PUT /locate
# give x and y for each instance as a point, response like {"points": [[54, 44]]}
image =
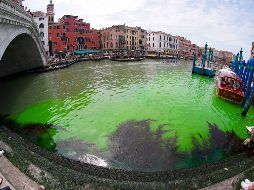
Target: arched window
{"points": [[111, 45], [41, 25], [42, 35]]}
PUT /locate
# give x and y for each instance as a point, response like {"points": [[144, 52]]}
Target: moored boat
{"points": [[229, 86], [126, 59], [52, 67]]}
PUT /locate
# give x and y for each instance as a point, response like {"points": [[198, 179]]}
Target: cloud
{"points": [[224, 24]]}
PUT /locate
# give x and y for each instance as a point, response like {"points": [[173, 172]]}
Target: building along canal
{"points": [[152, 115]]}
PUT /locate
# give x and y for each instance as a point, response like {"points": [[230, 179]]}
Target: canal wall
{"points": [[56, 172]]}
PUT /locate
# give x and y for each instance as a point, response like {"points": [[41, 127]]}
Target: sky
{"points": [[223, 24]]}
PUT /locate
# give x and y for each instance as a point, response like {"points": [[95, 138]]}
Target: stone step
{"points": [[14, 178], [5, 182]]}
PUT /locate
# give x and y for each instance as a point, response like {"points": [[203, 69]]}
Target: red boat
{"points": [[229, 86]]}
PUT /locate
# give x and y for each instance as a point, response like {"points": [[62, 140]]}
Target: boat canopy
{"points": [[152, 55], [228, 73], [86, 51]]}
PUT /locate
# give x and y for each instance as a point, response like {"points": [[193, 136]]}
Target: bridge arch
{"points": [[20, 51]]}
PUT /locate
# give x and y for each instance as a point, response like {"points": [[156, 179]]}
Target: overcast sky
{"points": [[224, 24]]}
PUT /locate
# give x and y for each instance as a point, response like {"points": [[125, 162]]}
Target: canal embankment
{"points": [[56, 172]]}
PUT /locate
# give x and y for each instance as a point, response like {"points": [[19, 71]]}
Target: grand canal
{"points": [[143, 116]]}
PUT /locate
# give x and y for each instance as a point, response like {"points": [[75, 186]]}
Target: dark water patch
{"points": [[39, 134], [5, 121], [228, 142], [218, 146], [136, 146]]}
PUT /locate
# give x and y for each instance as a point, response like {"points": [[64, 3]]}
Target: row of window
{"points": [[61, 35], [165, 45], [168, 39], [75, 24], [133, 43], [80, 30], [119, 36], [77, 40], [117, 45]]}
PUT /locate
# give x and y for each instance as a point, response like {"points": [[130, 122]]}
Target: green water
{"points": [[91, 102]]}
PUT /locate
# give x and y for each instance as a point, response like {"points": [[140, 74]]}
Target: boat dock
{"points": [[205, 67]]}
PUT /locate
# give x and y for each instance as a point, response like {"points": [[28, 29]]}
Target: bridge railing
{"points": [[15, 8]]}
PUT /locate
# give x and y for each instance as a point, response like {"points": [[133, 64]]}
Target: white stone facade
{"points": [[42, 22], [161, 42]]}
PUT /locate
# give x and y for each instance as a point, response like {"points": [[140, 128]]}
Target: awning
{"points": [[86, 51]]}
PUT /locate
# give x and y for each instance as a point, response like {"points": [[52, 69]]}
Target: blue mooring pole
{"points": [[249, 102], [246, 75], [242, 63], [249, 82]]}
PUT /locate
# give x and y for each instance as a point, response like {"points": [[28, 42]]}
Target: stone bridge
{"points": [[20, 45]]}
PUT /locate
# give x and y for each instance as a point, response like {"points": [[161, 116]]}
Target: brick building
{"points": [[186, 48], [227, 56], [70, 33]]}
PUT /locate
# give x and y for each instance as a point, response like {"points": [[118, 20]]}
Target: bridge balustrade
{"points": [[18, 12], [12, 13]]}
